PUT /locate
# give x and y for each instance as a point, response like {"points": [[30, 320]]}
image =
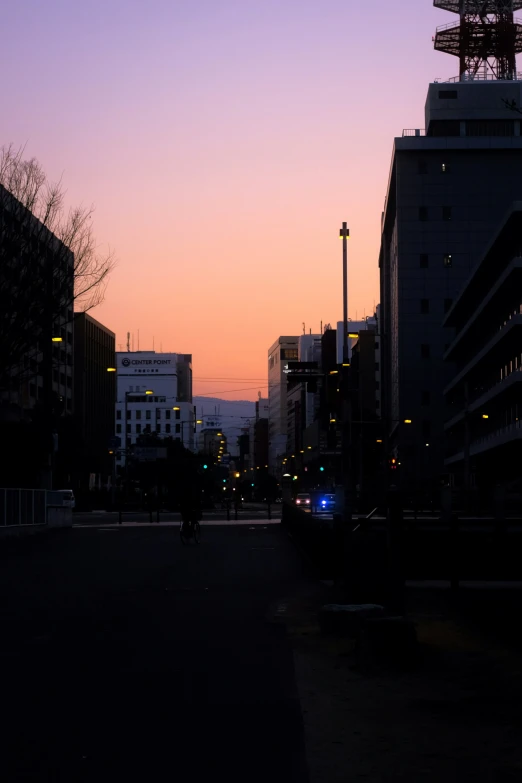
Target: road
{"points": [[127, 656]]}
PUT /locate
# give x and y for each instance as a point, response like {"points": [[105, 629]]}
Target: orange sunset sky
{"points": [[223, 143]]}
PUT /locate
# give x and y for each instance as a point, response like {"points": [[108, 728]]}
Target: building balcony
{"points": [[486, 396], [500, 437], [497, 350], [509, 281]]}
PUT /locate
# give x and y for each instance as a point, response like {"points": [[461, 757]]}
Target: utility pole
{"points": [[346, 443]]}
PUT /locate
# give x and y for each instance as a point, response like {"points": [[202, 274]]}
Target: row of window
{"points": [[148, 414], [424, 213], [166, 429], [447, 260]]}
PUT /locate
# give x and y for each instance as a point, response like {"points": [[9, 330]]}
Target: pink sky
{"points": [[223, 142]]}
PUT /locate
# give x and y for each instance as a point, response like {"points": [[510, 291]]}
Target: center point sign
{"points": [[146, 361]]}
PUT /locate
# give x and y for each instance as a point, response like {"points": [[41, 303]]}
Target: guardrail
{"points": [[22, 507], [32, 509]]}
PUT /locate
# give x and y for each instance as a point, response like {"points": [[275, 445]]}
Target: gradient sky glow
{"points": [[223, 143]]}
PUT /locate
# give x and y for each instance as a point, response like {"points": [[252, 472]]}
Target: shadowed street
{"points": [[127, 656]]}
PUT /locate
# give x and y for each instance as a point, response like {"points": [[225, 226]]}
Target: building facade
{"points": [[449, 186], [283, 350], [154, 395], [36, 341], [95, 398], [484, 394]]}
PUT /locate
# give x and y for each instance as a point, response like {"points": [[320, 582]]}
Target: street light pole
{"points": [[344, 233]]}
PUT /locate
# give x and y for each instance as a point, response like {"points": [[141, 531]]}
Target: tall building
{"points": [[154, 395], [95, 397], [283, 350], [36, 343], [448, 188], [484, 430]]}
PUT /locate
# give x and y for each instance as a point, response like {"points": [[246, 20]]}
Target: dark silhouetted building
{"points": [[95, 397]]}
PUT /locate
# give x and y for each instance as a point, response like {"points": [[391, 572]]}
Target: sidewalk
{"points": [[457, 717]]}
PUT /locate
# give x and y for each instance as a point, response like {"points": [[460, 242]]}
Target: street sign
{"points": [[114, 442], [149, 453]]}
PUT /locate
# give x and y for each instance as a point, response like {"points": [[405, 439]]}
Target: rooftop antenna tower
{"points": [[486, 39], [128, 342]]}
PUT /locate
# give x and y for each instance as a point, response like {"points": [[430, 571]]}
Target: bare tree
{"points": [[50, 264]]}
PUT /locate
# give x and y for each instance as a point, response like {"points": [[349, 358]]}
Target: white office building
{"points": [[283, 350], [154, 395]]}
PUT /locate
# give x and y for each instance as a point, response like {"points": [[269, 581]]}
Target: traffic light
{"points": [[252, 485], [205, 467], [224, 481], [321, 469], [393, 463]]}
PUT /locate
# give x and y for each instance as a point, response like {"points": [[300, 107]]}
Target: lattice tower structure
{"points": [[486, 40]]}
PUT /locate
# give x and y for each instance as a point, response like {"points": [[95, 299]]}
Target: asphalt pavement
{"points": [[127, 656]]}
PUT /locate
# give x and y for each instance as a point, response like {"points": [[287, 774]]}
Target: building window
{"points": [[167, 414], [424, 306], [425, 397], [69, 405], [128, 429], [62, 378], [56, 375], [423, 260], [158, 413], [118, 429], [147, 428], [118, 415], [376, 365], [138, 429], [147, 414], [425, 351], [289, 353], [448, 260], [447, 305], [158, 427], [178, 415], [448, 94], [178, 427], [446, 213], [423, 213], [129, 415], [138, 414], [69, 382], [167, 427]]}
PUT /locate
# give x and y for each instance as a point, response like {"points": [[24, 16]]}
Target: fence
{"points": [[26, 509], [23, 507]]}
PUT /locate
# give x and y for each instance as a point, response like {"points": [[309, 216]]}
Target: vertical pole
{"points": [[466, 449], [126, 447], [344, 532], [345, 234]]}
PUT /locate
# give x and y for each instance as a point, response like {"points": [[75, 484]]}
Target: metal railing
{"points": [[481, 77], [21, 507]]}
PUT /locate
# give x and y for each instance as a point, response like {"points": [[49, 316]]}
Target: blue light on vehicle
{"points": [[323, 502]]}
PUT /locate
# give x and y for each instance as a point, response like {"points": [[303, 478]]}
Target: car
{"points": [[327, 503], [67, 497], [303, 499]]}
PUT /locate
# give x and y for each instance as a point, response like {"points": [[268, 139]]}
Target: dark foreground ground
{"points": [[126, 656]]}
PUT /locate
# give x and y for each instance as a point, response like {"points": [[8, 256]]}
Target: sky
{"points": [[222, 142]]}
